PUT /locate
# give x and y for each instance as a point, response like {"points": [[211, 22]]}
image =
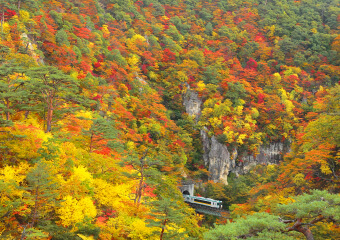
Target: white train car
{"points": [[203, 201]]}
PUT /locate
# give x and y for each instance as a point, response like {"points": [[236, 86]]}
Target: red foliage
{"points": [[97, 64], [251, 64], [145, 68], [9, 13], [260, 38], [237, 20], [85, 67], [179, 143], [260, 98], [148, 191], [168, 56], [83, 33], [201, 166], [96, 97], [105, 151]]}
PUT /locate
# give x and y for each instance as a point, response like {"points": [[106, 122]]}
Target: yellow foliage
{"points": [[182, 76], [240, 138], [239, 110], [276, 78], [73, 211], [105, 30], [86, 115], [153, 75], [139, 230], [10, 174], [124, 226], [270, 30], [285, 100], [85, 237], [6, 27], [82, 174], [215, 122], [201, 86], [299, 179], [230, 134], [325, 169], [112, 195], [34, 137], [292, 71], [138, 37], [255, 113], [133, 60], [314, 30], [24, 16], [130, 145], [74, 74], [23, 60]]}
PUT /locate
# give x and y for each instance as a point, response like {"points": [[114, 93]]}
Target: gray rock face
{"points": [[30, 45], [268, 154], [219, 159], [192, 103]]}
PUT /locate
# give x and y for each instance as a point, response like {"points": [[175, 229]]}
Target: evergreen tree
{"points": [[53, 89], [12, 91], [167, 212]]}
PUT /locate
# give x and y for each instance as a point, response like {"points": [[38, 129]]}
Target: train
{"points": [[203, 201]]}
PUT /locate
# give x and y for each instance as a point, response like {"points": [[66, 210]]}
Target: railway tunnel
{"points": [[200, 204]]}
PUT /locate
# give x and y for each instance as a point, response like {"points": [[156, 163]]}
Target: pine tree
{"points": [[43, 195], [167, 212], [54, 89], [12, 91]]}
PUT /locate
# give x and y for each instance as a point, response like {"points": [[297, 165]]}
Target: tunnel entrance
{"points": [[186, 192]]}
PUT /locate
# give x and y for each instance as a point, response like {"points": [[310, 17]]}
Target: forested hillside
{"points": [[98, 129]]}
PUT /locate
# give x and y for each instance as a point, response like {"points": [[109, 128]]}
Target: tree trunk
{"points": [[26, 114], [140, 186], [49, 116], [19, 3], [2, 22], [35, 211], [49, 120], [91, 141], [139, 190], [7, 113], [163, 228], [305, 231], [23, 235]]}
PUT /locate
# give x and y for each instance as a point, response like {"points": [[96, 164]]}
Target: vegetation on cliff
{"points": [[94, 137]]}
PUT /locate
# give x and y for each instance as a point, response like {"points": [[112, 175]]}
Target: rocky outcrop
{"points": [[192, 103], [31, 47], [268, 154], [219, 159]]}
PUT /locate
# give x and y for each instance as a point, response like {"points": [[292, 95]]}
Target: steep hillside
{"points": [[107, 104]]}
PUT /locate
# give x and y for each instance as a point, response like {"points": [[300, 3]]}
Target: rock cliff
{"points": [[221, 160], [192, 103]]}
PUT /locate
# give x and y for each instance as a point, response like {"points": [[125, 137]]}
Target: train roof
{"points": [[203, 198]]}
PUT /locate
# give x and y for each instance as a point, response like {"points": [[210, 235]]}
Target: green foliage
{"points": [[268, 225], [317, 203], [57, 17], [106, 81], [61, 38], [167, 212]]}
